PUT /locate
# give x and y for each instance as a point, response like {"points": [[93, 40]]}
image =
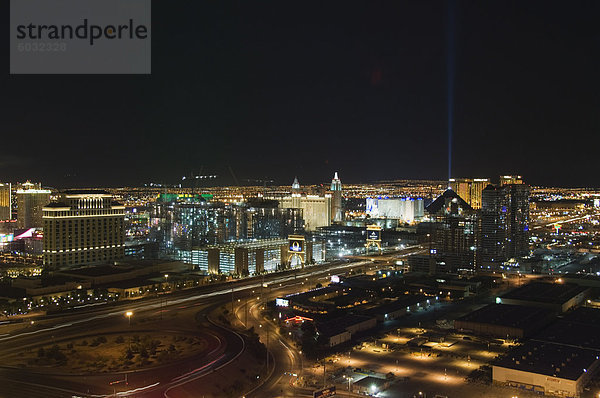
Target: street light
{"points": [[128, 314]]}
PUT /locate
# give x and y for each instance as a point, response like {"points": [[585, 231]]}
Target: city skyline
{"points": [[279, 92]]}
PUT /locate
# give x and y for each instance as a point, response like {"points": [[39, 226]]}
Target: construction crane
{"points": [[264, 181], [196, 178]]}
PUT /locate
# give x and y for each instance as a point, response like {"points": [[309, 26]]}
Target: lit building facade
{"points": [[469, 189], [83, 227], [247, 258], [29, 204], [507, 180], [492, 245], [316, 209], [518, 220], [182, 224], [336, 199], [5, 201], [405, 209], [504, 232]]}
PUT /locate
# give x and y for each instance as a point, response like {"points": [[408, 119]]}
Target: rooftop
{"points": [[86, 192], [440, 202], [370, 381], [549, 359], [340, 324], [556, 293], [99, 270], [515, 316], [579, 328]]}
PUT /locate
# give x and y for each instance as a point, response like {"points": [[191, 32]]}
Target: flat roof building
{"points": [[546, 368], [503, 320], [558, 297]]}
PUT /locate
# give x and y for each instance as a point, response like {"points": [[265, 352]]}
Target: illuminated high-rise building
{"points": [[5, 201], [506, 180], [518, 220], [469, 189], [316, 209], [83, 227], [504, 232], [30, 202], [452, 234], [336, 203], [493, 237]]}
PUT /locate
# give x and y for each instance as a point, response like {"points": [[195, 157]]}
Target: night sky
{"points": [[278, 89]]}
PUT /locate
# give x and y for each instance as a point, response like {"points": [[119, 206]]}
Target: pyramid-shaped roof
{"points": [[440, 202]]}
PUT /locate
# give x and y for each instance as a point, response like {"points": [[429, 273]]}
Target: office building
{"points": [[5, 201], [83, 227], [469, 189], [337, 211], [452, 234], [30, 202], [316, 209]]}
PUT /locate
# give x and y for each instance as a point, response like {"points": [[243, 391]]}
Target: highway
{"points": [[163, 382]]}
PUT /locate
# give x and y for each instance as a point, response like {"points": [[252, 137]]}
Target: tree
{"points": [[309, 339], [128, 354]]}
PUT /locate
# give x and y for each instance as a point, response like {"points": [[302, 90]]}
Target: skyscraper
{"points": [[493, 237], [5, 201], [469, 189], [30, 202], [336, 202], [452, 238], [83, 227], [504, 232], [518, 220]]}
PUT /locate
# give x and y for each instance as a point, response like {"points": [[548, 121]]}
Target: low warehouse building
{"points": [[546, 368], [558, 297], [370, 385], [503, 320]]}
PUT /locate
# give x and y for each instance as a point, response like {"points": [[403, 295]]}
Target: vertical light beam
{"points": [[450, 66]]}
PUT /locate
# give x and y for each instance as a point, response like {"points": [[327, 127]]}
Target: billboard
{"points": [[373, 232], [296, 244], [280, 302], [5, 238]]}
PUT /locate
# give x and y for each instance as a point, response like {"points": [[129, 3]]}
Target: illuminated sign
{"points": [[335, 279], [374, 235], [373, 232], [296, 246], [296, 243], [279, 302], [5, 238]]}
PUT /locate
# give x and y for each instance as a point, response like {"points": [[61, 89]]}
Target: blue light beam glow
{"points": [[450, 66]]}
